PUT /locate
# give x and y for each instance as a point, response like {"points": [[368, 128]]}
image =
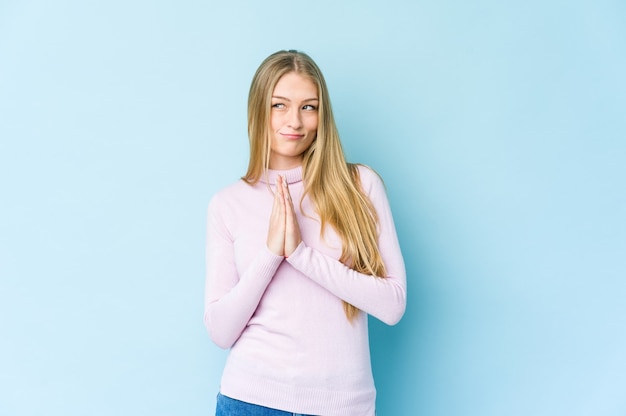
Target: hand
{"points": [[283, 236], [276, 232], [292, 228]]}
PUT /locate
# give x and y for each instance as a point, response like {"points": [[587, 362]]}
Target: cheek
{"points": [[312, 123], [274, 122]]}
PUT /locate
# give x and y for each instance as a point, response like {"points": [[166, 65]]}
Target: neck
{"points": [[292, 175]]}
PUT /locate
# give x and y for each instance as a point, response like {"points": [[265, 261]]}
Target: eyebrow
{"points": [[287, 99]]}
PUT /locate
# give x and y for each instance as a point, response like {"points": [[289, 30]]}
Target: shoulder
{"points": [[229, 195], [370, 180]]}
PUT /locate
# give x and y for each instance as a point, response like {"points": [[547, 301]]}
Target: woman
{"points": [[299, 252]]}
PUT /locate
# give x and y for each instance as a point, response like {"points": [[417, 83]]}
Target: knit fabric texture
{"points": [[291, 345]]}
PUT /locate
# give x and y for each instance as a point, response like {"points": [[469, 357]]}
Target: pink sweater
{"points": [[291, 345]]}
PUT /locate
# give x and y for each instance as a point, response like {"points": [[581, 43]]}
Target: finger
{"points": [[292, 228], [280, 187], [276, 207], [286, 191], [289, 208], [276, 231]]}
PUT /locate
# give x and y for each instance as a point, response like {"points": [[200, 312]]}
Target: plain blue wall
{"points": [[499, 128]]}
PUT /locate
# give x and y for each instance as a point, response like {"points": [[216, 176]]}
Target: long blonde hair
{"points": [[333, 185]]}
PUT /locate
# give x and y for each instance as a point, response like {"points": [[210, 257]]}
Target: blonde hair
{"points": [[333, 185]]}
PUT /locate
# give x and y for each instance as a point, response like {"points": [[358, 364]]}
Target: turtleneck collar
{"points": [[293, 175]]}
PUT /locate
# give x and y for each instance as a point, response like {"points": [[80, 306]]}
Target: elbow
{"points": [[223, 344], [219, 337], [395, 311], [393, 316]]}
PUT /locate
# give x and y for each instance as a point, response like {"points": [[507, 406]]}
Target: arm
{"points": [[383, 298], [231, 299]]}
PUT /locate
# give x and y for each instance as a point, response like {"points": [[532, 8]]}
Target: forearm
{"points": [[231, 300], [383, 298]]}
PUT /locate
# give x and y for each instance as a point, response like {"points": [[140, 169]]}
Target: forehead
{"points": [[295, 84]]}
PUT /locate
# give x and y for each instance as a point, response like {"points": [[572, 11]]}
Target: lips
{"points": [[292, 136]]}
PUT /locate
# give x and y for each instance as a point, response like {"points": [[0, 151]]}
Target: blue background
{"points": [[498, 126]]}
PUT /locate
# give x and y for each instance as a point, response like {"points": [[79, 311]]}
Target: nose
{"points": [[295, 119]]}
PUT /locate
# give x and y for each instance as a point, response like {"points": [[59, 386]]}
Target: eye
{"points": [[278, 105], [309, 107]]}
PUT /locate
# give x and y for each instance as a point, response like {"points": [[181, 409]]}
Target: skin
{"points": [[284, 232], [293, 120]]}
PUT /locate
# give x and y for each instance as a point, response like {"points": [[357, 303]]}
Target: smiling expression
{"points": [[293, 120]]}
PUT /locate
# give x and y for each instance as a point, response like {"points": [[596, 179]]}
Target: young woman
{"points": [[298, 253]]}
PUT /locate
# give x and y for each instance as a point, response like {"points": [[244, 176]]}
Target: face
{"points": [[293, 120]]}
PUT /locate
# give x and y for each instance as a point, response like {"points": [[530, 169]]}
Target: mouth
{"points": [[292, 136]]}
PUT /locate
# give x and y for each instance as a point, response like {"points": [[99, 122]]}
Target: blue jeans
{"points": [[232, 407]]}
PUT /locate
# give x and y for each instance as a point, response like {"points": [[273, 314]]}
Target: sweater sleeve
{"points": [[230, 298], [383, 298]]}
